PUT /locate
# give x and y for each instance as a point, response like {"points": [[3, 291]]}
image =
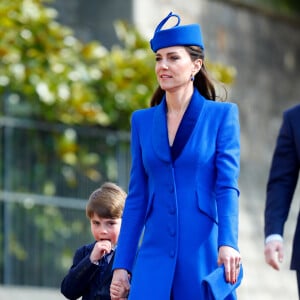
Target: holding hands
{"points": [[120, 286]]}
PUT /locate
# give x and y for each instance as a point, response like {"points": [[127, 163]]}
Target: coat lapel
{"points": [[187, 124], [159, 133], [160, 138]]}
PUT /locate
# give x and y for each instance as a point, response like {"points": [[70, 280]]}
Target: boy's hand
{"points": [[101, 248], [120, 286]]}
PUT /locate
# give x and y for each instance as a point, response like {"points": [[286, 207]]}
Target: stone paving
{"points": [[29, 293]]}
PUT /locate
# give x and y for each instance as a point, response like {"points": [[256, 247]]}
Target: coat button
{"points": [[172, 210], [172, 253], [172, 232]]}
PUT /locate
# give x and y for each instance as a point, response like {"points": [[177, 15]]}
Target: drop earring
{"points": [[192, 77]]}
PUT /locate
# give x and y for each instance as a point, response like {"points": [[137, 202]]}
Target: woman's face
{"points": [[174, 68]]}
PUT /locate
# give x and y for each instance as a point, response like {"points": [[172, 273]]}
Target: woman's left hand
{"points": [[120, 284], [231, 259]]}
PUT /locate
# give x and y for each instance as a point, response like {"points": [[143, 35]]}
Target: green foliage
{"points": [[50, 75], [291, 7], [46, 66]]}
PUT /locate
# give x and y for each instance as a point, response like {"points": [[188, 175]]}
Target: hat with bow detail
{"points": [[178, 35]]}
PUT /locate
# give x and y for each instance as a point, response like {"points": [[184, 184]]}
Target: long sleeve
{"points": [[228, 168], [81, 279], [135, 207], [282, 180]]}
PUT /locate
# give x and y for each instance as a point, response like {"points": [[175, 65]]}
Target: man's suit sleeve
{"points": [[282, 179]]}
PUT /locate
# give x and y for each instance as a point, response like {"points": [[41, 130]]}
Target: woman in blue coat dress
{"points": [[183, 191]]}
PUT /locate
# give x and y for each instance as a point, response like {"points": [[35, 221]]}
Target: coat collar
{"points": [[159, 128]]}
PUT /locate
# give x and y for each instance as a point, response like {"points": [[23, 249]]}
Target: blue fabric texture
{"points": [[217, 288], [184, 35]]}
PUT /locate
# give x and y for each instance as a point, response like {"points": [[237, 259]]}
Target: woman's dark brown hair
{"points": [[202, 80]]}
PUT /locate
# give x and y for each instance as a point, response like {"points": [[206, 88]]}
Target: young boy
{"points": [[90, 275]]}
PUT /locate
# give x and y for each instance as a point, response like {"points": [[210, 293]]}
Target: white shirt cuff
{"points": [[274, 237]]}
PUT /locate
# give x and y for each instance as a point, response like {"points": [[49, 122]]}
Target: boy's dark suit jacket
{"points": [[84, 278], [283, 180]]}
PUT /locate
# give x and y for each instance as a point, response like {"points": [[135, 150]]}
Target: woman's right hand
{"points": [[120, 286]]}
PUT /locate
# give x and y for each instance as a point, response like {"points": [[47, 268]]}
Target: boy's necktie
{"points": [[103, 263]]}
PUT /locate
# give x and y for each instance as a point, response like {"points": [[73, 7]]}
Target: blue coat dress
{"points": [[184, 204]]}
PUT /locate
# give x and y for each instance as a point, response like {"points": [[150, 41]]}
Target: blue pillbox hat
{"points": [[184, 35]]}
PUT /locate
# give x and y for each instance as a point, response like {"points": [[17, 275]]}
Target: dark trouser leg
{"points": [[298, 281]]}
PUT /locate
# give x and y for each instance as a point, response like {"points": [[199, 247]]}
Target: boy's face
{"points": [[105, 229]]}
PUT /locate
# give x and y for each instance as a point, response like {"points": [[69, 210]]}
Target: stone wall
{"points": [[94, 19]]}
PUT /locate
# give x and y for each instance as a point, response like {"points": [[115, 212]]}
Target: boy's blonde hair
{"points": [[107, 201]]}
